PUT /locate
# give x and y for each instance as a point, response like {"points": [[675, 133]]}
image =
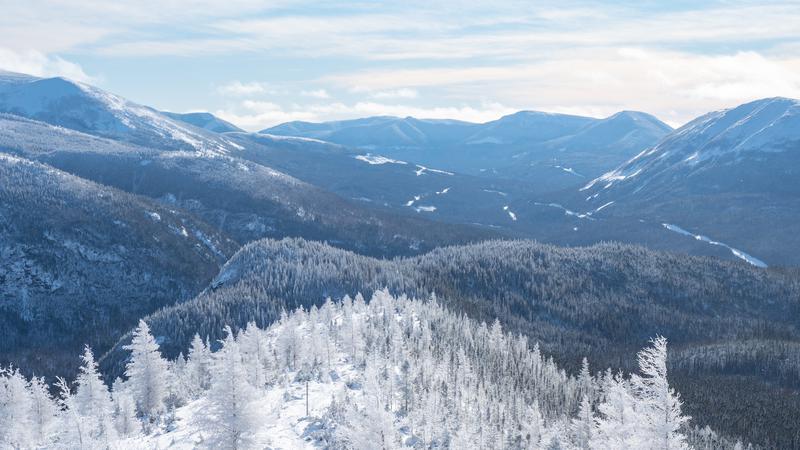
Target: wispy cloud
{"points": [[237, 88], [256, 115], [676, 60], [395, 93], [35, 63], [316, 93]]}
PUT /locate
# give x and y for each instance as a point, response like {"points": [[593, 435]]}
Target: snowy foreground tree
{"points": [[385, 374]]}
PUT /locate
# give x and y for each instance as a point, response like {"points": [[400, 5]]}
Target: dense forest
{"points": [[603, 302], [385, 374]]}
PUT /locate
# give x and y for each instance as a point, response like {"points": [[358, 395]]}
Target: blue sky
{"points": [[260, 63]]}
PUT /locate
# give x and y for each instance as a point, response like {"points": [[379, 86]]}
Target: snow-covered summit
{"points": [[79, 106], [728, 137]]}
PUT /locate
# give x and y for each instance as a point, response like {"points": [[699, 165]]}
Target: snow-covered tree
{"points": [[583, 425], [44, 412], [659, 406], [147, 373], [15, 410], [125, 420], [198, 367], [231, 416], [92, 401]]}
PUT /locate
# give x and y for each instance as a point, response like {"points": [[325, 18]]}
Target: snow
{"points": [[600, 208], [422, 169], [736, 252], [510, 213], [412, 201], [285, 424], [570, 170], [567, 212], [154, 215], [378, 159]]}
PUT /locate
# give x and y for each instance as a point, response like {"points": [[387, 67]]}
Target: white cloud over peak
{"points": [[32, 62]]}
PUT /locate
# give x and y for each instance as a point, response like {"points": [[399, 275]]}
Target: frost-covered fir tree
{"points": [[147, 373], [231, 416], [92, 402], [44, 412], [659, 406], [125, 420], [15, 410], [198, 367]]}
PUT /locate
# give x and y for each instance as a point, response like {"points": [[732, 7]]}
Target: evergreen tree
{"points": [[230, 416], [92, 401], [147, 373]]}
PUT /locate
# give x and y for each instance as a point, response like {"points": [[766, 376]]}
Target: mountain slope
{"points": [[204, 120], [527, 145], [85, 108], [599, 301], [80, 262], [730, 175], [247, 200]]}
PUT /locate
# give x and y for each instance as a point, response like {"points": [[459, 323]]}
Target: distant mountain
{"points": [[729, 177], [527, 127], [381, 131], [528, 145], [80, 262], [85, 108], [600, 301], [204, 120], [247, 200]]}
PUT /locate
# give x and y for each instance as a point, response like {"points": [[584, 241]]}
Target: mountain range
{"points": [[557, 150], [114, 211]]}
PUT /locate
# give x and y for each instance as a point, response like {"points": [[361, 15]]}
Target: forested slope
{"points": [[81, 262], [602, 302]]}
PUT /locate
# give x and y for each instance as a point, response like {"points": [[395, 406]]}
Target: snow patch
{"points": [[736, 252], [378, 159]]}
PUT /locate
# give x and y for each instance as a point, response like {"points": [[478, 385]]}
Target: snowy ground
{"points": [[286, 425]]}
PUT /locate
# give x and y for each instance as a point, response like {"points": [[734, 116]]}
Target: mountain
{"points": [[204, 120], [85, 108], [528, 145], [602, 302], [381, 131], [728, 178], [395, 185], [246, 200], [80, 262]]}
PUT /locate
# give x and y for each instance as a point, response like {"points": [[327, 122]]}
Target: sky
{"points": [[259, 63]]}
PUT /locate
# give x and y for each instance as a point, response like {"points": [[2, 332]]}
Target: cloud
{"points": [[395, 93], [318, 93], [32, 62], [676, 86], [256, 115], [237, 88]]}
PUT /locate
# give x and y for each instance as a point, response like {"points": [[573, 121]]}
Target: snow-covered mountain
{"points": [[204, 120], [86, 108], [527, 145], [729, 177], [79, 262], [380, 131], [748, 135], [247, 200]]}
